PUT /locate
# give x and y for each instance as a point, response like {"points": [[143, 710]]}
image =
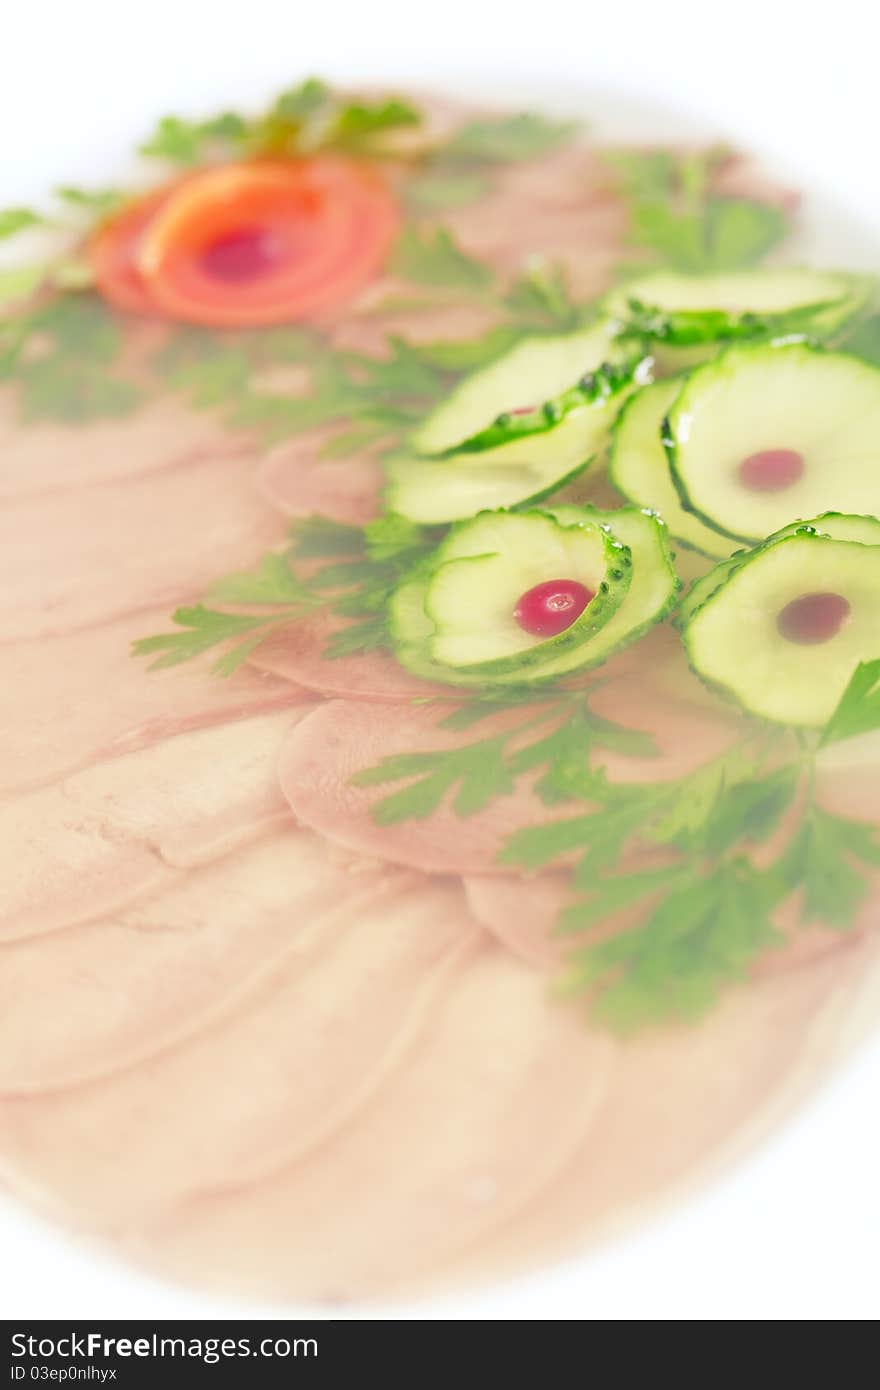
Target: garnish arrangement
{"points": [[695, 446]]}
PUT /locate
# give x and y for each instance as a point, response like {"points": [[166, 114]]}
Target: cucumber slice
{"points": [[639, 469], [606, 381], [435, 491], [820, 407], [484, 568], [652, 594], [683, 310], [735, 642], [527, 375], [865, 530], [411, 628]]}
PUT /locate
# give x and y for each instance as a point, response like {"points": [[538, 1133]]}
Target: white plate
{"points": [[793, 1232]]}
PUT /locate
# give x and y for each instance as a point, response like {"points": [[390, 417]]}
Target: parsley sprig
{"points": [[681, 223], [300, 120], [704, 902]]}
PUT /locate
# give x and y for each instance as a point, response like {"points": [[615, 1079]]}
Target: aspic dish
{"points": [[442, 645]]}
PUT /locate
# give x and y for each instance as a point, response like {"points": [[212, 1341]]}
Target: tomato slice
{"points": [[112, 251], [265, 242]]}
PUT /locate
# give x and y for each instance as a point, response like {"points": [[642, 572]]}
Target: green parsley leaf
{"points": [[392, 537], [317, 536], [272, 582], [305, 100], [858, 711], [432, 257], [175, 139], [675, 216], [356, 125], [96, 202], [204, 629], [443, 185], [17, 283], [540, 299], [15, 220], [475, 775], [822, 863], [509, 138], [702, 934]]}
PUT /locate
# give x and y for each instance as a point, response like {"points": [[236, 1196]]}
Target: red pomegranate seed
{"points": [[771, 470], [812, 619], [551, 607]]}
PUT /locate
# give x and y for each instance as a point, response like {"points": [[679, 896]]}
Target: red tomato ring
{"points": [[264, 242], [112, 251]]}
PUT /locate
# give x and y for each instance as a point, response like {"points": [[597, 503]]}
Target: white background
{"points": [[794, 1233]]}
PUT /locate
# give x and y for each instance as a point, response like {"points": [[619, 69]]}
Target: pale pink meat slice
{"points": [[679, 1101], [263, 1073], [478, 1118], [206, 946], [74, 559], [343, 737], [75, 698], [301, 482], [296, 653], [39, 457], [91, 845]]}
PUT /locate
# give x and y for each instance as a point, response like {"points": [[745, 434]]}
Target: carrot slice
{"points": [[112, 251], [265, 242]]}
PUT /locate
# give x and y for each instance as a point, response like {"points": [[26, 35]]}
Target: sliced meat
{"points": [[392, 308], [99, 841], [297, 479], [848, 778], [205, 947], [740, 176], [574, 217], [44, 456], [297, 654], [343, 737], [479, 1117], [679, 1101], [73, 559], [70, 700], [521, 913], [332, 990]]}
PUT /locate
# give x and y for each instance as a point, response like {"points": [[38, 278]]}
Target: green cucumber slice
{"points": [[527, 375], [821, 405], [436, 491], [652, 594], [684, 310], [639, 469], [864, 530], [485, 567], [734, 642], [608, 380]]}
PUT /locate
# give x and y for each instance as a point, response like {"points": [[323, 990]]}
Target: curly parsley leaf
{"points": [[540, 299], [676, 217], [824, 862], [525, 135], [271, 585], [94, 202], [703, 934], [473, 775], [15, 220], [431, 256], [356, 125], [445, 185]]}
